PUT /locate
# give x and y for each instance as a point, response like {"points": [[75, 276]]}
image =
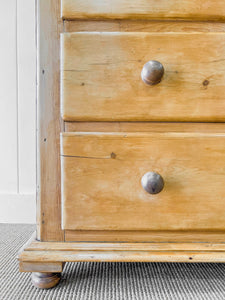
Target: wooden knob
{"points": [[152, 72], [152, 183]]}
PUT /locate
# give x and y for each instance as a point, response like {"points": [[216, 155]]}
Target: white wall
{"points": [[17, 107]]}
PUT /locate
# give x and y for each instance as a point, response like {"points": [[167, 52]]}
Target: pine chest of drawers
{"points": [[130, 134]]}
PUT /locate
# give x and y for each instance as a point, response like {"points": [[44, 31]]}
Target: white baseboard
{"points": [[17, 208]]}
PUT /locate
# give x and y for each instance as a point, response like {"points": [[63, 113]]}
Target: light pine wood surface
{"points": [[153, 246], [49, 124], [126, 256], [135, 236], [102, 173], [47, 253], [106, 214], [41, 267], [101, 78], [142, 25], [143, 9], [144, 127]]}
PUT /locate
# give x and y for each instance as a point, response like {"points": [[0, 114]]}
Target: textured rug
{"points": [[103, 281]]}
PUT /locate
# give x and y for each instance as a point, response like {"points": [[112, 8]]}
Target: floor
{"points": [[103, 281]]}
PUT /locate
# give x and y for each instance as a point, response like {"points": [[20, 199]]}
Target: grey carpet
{"points": [[103, 281]]}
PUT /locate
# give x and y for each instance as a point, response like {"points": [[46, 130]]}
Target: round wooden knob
{"points": [[152, 72], [152, 183]]}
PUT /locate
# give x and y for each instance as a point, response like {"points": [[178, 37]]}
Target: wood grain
{"points": [[60, 252], [144, 127], [151, 246], [101, 77], [49, 124], [143, 9], [102, 181], [102, 172], [125, 256], [41, 267], [142, 25], [144, 236]]}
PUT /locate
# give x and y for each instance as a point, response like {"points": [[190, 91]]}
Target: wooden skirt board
{"points": [[102, 172], [50, 256], [101, 76], [143, 9]]}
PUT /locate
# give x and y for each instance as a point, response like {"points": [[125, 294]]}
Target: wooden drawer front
{"points": [[101, 77], [143, 9], [102, 172]]}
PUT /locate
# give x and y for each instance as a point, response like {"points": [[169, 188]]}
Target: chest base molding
{"points": [[50, 256]]}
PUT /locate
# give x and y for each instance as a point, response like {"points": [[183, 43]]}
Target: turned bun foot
{"points": [[45, 280]]}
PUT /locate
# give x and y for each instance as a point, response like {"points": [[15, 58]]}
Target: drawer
{"points": [[101, 76], [143, 9], [105, 186]]}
